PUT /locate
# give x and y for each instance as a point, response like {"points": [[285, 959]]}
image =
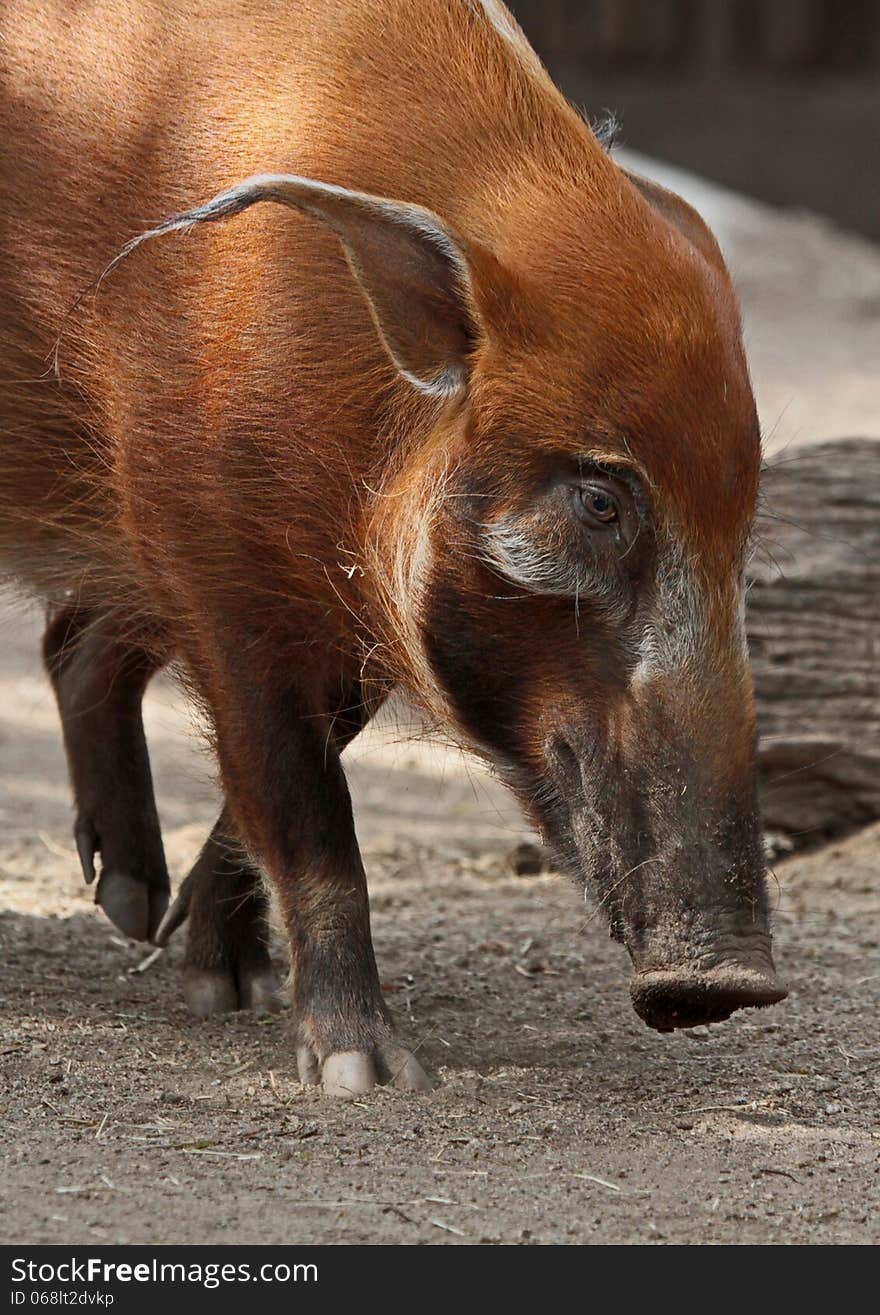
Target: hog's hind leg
{"points": [[99, 677], [226, 965]]}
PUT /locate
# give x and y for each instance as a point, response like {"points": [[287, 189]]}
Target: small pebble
{"points": [[527, 860]]}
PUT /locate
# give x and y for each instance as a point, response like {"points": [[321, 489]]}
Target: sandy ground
{"points": [[558, 1117]]}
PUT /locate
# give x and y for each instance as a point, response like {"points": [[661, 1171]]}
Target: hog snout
{"points": [[698, 934], [686, 996], [701, 959], [681, 874]]}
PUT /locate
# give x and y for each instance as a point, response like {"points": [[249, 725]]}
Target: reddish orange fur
{"points": [[228, 455], [118, 114]]}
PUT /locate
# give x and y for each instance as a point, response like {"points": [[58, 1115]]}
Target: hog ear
{"points": [[411, 268], [682, 216]]}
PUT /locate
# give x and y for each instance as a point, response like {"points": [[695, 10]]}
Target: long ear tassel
{"points": [[223, 206]]}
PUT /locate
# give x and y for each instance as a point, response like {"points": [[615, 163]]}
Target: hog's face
{"points": [[581, 611]]}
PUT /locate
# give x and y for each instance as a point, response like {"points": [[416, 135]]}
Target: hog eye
{"points": [[597, 504]]}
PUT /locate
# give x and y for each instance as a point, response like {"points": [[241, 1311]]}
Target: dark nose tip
{"points": [[668, 998]]}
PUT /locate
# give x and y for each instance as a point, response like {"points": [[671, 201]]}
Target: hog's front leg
{"points": [[290, 801]]}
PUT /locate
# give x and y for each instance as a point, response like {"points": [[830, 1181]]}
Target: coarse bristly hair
{"points": [[607, 130]]}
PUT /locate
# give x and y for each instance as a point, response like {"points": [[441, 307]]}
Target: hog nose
{"points": [[669, 998]]}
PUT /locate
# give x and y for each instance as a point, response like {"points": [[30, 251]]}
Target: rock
{"points": [[777, 844]]}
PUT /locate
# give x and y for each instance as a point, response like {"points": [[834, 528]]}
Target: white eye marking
{"points": [[683, 633], [510, 549], [677, 633], [507, 548]]}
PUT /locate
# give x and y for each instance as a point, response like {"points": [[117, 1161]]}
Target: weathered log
{"points": [[813, 616]]}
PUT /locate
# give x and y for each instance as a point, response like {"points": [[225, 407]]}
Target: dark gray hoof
{"points": [[348, 1074], [131, 905], [260, 991], [209, 992]]}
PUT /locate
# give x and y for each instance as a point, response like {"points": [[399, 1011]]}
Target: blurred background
{"points": [[779, 98]]}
